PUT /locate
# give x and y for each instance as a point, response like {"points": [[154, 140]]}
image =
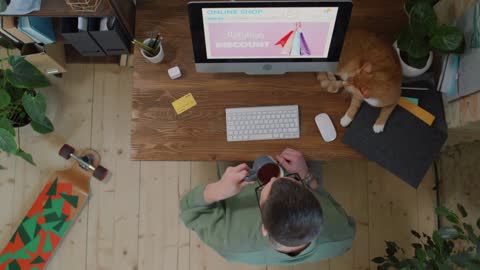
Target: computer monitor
{"points": [[268, 37]]}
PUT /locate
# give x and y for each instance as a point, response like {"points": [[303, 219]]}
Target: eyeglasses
{"points": [[258, 190]]}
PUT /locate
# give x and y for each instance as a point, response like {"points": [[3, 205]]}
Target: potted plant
{"points": [[20, 104], [452, 247], [422, 36]]}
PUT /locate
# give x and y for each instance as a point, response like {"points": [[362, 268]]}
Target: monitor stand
{"points": [[266, 68]]}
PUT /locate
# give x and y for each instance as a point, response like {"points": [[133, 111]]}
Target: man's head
{"points": [[291, 214]]}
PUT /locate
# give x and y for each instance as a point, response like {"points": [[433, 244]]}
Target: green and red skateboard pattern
{"points": [[41, 231]]}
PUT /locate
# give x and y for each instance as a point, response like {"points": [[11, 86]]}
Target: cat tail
{"points": [[284, 40], [304, 49]]}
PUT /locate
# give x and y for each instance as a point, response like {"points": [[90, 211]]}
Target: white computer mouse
{"points": [[326, 127]]}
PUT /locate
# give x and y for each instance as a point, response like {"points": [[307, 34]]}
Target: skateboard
{"points": [[53, 212]]}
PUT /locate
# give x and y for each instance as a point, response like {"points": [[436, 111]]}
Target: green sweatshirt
{"points": [[233, 229]]}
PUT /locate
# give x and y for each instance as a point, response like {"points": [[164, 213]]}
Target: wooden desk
{"points": [[199, 134]]}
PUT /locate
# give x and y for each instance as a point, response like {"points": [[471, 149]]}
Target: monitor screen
{"points": [[268, 32]]}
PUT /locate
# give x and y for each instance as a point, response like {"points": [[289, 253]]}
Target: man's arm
{"points": [[202, 209]]}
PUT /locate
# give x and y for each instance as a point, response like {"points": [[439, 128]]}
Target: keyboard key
{"points": [[261, 137]]}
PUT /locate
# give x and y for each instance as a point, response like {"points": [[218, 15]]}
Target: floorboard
{"points": [[113, 209], [348, 182]]}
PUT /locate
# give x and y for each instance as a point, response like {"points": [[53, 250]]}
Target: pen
{"points": [[144, 47], [156, 41]]}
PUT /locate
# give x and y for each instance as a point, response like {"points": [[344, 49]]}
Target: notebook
{"points": [[39, 29]]}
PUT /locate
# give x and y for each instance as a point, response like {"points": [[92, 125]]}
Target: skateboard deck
{"points": [[41, 231]]}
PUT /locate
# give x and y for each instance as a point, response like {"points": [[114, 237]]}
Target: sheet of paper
{"points": [[184, 103], [413, 100], [420, 113]]}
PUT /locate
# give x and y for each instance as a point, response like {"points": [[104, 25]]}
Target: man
{"points": [[289, 220]]}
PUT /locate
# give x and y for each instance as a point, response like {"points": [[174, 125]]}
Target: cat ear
{"points": [[367, 67]]}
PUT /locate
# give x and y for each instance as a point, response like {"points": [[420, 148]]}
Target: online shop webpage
{"points": [[236, 33]]}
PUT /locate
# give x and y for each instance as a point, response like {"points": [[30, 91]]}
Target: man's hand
{"points": [[230, 185], [293, 162]]}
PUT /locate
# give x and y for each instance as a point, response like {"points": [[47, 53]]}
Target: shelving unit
{"points": [[123, 10]]}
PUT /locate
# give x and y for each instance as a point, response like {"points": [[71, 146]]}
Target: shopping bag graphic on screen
{"points": [[294, 42]]}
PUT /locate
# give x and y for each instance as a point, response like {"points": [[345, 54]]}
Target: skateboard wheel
{"points": [[65, 151], [100, 173]]}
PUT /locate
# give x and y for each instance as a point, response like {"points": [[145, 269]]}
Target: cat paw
{"points": [[345, 121], [378, 128], [333, 90], [324, 84]]}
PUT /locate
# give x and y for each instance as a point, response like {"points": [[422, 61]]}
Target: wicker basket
{"points": [[84, 5]]}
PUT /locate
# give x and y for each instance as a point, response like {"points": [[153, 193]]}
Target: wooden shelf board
{"points": [[59, 8]]}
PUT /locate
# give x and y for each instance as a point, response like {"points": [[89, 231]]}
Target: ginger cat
{"points": [[370, 71]]}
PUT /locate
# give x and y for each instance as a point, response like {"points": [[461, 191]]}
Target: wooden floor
{"points": [[131, 222]]}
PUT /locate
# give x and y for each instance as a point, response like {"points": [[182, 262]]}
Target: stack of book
{"points": [[459, 75], [28, 29]]}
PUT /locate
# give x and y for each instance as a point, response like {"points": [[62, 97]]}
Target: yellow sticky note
{"points": [[184, 103]]}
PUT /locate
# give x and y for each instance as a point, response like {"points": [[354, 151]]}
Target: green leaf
{"points": [[3, 5], [409, 5], [462, 259], [25, 75], [5, 43], [430, 253], [4, 98], [391, 248], [393, 259], [471, 234], [442, 211], [445, 212], [444, 266], [439, 242], [420, 254], [7, 125], [453, 218], [413, 46], [448, 233], [422, 18], [378, 260], [7, 141], [478, 223], [415, 233], [416, 245], [446, 39], [418, 264], [25, 156], [462, 210], [417, 62], [43, 127], [35, 106]]}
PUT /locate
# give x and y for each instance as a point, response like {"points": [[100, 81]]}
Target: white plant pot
{"points": [[409, 71], [153, 59]]}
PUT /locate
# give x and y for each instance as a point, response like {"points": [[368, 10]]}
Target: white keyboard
{"points": [[262, 123]]}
